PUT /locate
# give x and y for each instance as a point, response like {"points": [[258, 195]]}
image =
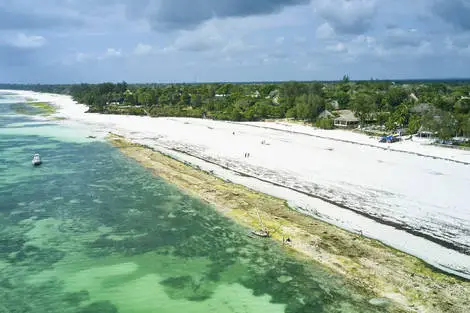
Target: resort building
{"points": [[345, 119]]}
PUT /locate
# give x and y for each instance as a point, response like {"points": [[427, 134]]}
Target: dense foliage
{"points": [[440, 107]]}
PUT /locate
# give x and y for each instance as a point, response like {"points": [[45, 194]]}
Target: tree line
{"points": [[439, 107]]}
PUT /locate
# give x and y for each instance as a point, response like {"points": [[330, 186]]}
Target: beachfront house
{"points": [[424, 133], [345, 119]]}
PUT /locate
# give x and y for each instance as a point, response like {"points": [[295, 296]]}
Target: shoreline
{"points": [[464, 250], [168, 135], [445, 259], [364, 262], [394, 188]]}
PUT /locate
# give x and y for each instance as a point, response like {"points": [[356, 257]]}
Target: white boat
{"points": [[36, 159]]}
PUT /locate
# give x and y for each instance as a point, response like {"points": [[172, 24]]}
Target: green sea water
{"points": [[92, 231]]}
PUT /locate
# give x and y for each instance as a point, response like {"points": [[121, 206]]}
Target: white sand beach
{"points": [[408, 195]]}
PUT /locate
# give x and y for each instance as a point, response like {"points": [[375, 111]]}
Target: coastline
{"points": [[366, 263]]}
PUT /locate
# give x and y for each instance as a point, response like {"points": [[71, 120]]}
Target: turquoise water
{"points": [[92, 231]]}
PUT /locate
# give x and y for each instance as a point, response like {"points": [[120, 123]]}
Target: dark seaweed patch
{"points": [[76, 298], [99, 307]]}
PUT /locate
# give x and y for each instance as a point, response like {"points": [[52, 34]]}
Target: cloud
{"points": [[236, 47], [28, 18], [23, 41], [458, 44], [458, 40], [280, 40], [338, 47], [365, 48], [232, 39], [12, 57], [183, 14], [347, 16], [454, 12], [300, 40], [325, 31], [206, 37], [81, 57], [196, 43], [112, 53], [397, 37], [143, 49]]}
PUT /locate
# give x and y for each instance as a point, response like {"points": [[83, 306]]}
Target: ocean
{"points": [[92, 231]]}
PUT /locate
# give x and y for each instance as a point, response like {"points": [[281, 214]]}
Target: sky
{"points": [[73, 41]]}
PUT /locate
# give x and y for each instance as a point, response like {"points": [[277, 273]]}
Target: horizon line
{"points": [[454, 79]]}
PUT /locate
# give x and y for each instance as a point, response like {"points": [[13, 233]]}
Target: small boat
{"points": [[36, 160], [260, 233]]}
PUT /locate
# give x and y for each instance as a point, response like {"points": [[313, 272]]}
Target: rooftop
{"points": [[346, 115]]}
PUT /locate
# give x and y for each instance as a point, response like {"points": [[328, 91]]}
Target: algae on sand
{"points": [[382, 270], [45, 107], [34, 108]]}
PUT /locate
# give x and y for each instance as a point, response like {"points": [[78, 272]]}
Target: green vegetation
{"points": [[34, 108], [439, 107], [45, 107]]}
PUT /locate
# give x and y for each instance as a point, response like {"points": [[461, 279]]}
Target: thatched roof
{"points": [[346, 116]]}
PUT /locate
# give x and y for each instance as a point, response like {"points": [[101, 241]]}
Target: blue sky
{"points": [[53, 41]]}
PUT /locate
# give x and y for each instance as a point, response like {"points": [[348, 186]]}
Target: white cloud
{"points": [[77, 57], [338, 47], [111, 52], [81, 57], [310, 66], [325, 31], [24, 41], [216, 33], [398, 37], [207, 37], [143, 49], [237, 46], [347, 16], [366, 31], [212, 37], [363, 47], [458, 45], [425, 48], [300, 39], [280, 40]]}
